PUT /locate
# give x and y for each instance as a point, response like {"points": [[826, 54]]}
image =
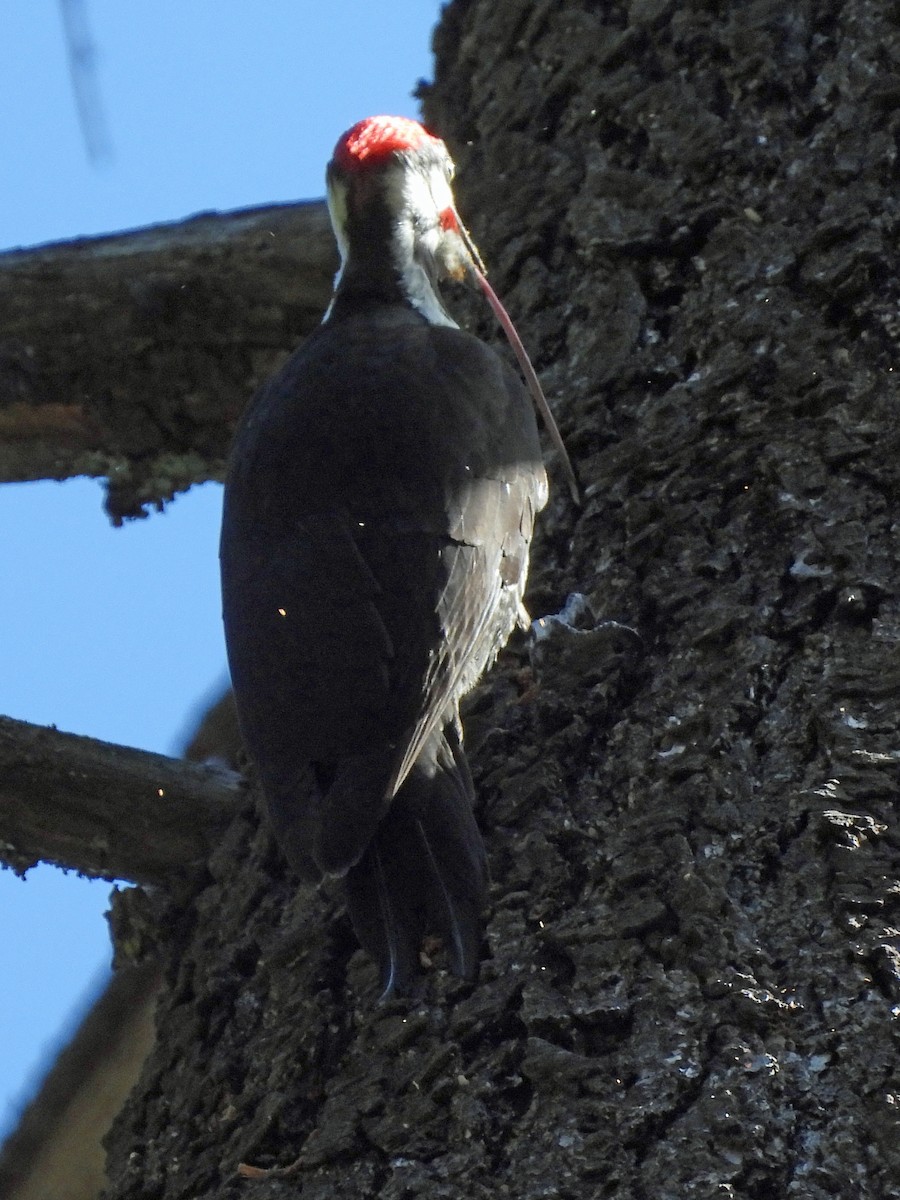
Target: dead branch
{"points": [[131, 356], [105, 810]]}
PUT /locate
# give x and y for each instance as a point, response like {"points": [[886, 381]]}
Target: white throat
{"points": [[422, 296]]}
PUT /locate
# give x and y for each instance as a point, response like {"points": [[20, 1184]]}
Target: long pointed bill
{"points": [[534, 384], [471, 262]]}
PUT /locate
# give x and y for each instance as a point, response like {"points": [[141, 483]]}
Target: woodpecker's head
{"points": [[389, 195], [397, 228]]}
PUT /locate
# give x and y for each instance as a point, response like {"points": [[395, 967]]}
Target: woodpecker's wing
{"points": [[484, 567]]}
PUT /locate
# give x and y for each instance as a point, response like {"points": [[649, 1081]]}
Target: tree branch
{"points": [[131, 356], [104, 810]]}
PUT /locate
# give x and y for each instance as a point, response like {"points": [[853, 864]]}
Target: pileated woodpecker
{"points": [[378, 513]]}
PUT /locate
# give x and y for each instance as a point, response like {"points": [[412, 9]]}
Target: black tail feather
{"points": [[381, 923], [423, 872]]}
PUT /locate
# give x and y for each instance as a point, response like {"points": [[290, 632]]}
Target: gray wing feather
{"points": [[485, 564]]}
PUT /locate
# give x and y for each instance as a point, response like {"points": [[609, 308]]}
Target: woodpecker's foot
{"points": [[573, 643]]}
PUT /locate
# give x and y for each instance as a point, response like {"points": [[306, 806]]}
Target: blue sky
{"points": [[209, 104]]}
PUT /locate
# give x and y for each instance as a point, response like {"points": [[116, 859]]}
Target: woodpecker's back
{"points": [[378, 513]]}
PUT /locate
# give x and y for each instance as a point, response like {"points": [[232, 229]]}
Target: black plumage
{"points": [[378, 513]]}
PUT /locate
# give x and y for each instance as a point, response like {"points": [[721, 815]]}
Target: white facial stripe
{"points": [[421, 192], [337, 211], [336, 198], [426, 190]]}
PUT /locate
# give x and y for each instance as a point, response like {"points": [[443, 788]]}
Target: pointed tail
{"points": [[424, 871]]}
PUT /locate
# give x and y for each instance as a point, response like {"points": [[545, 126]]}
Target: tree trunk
{"points": [[692, 969]]}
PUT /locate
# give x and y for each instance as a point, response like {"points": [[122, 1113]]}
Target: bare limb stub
{"points": [[131, 356], [105, 810]]}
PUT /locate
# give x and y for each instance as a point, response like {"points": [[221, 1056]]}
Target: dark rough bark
{"points": [[131, 356], [107, 811], [692, 979]]}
